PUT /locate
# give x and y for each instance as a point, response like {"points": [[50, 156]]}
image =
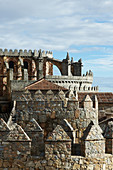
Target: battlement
{"points": [[90, 73], [78, 83], [24, 53]]}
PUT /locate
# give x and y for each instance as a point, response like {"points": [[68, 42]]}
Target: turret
{"points": [[39, 65], [66, 66]]}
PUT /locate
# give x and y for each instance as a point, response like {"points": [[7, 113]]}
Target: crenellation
{"points": [[1, 51], [43, 53], [49, 54], [15, 52], [90, 73], [6, 52], [20, 52], [10, 51], [30, 53], [87, 73], [25, 53], [36, 53]]}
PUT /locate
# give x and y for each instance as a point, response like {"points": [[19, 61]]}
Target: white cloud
{"points": [[62, 23], [56, 25], [107, 61]]}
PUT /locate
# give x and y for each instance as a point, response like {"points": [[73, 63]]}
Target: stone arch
{"points": [[57, 63], [13, 63], [25, 64], [29, 67]]}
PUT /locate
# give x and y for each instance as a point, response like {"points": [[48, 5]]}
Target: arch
{"points": [[12, 60], [28, 66], [56, 71], [25, 64], [56, 63], [11, 64]]}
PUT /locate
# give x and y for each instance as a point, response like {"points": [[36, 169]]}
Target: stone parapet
{"points": [[93, 143], [78, 83], [24, 53], [58, 149], [76, 163]]}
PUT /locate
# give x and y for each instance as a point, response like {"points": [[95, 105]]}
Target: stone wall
{"points": [[58, 149], [93, 143], [35, 133], [14, 143], [17, 146], [77, 163], [50, 111], [22, 65]]}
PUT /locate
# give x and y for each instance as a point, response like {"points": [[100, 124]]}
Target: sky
{"points": [[84, 28]]}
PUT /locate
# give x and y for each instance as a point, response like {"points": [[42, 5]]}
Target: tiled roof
{"points": [[103, 97], [44, 85]]}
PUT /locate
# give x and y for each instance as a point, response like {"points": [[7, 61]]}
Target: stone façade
{"points": [[49, 126], [32, 65]]}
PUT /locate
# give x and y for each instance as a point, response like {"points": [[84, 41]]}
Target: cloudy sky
{"points": [[84, 28]]}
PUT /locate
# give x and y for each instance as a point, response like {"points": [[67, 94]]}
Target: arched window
{"points": [[25, 64], [11, 64]]}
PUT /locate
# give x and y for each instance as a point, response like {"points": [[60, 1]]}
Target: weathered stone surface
{"points": [[93, 143], [58, 134], [32, 125], [3, 126], [17, 134], [93, 132], [88, 102]]}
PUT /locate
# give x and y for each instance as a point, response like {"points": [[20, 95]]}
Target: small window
{"points": [[25, 64], [11, 64]]}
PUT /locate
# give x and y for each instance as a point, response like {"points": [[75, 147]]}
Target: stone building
{"points": [[52, 122]]}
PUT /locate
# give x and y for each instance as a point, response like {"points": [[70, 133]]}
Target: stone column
{"points": [[9, 78], [11, 74], [24, 74]]}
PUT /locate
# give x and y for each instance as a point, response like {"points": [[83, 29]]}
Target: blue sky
{"points": [[83, 28]]}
